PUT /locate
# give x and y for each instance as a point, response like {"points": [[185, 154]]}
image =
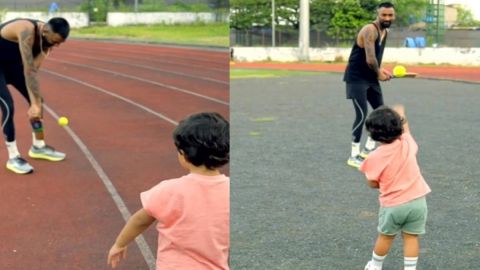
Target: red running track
{"points": [[123, 102]]}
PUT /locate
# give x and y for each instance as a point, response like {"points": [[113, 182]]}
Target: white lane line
{"points": [[150, 68], [114, 95], [189, 48], [124, 54], [146, 81], [140, 240], [193, 57]]}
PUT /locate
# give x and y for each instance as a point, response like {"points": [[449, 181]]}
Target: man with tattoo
{"points": [[24, 44], [363, 74]]}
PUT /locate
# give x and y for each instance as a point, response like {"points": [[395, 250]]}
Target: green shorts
{"points": [[408, 217]]}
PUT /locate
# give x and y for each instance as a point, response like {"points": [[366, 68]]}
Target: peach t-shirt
{"points": [[193, 214], [396, 169]]}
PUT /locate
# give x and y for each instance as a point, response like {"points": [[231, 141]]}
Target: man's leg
{"points": [[375, 98], [17, 79], [360, 107], [361, 111], [357, 93], [8, 111], [39, 149], [15, 163]]}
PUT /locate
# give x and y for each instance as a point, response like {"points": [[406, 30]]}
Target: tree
{"points": [[287, 13], [465, 18], [340, 18], [245, 14], [321, 13], [348, 18], [409, 12]]}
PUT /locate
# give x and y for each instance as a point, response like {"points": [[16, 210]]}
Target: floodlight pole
{"points": [[136, 6], [304, 37], [273, 23]]}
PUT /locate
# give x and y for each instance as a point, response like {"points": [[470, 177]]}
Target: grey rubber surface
{"points": [[295, 203]]}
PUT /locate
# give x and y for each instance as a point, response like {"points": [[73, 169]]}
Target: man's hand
{"points": [[384, 75], [35, 111]]}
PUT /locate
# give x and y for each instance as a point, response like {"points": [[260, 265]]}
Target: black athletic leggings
{"points": [[15, 77], [375, 99]]}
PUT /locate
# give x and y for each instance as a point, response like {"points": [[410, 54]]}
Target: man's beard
{"points": [[45, 44], [385, 24]]}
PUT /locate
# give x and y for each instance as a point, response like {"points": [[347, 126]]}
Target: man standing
{"points": [[24, 44], [363, 74]]}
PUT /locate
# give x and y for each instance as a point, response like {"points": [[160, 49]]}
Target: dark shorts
{"points": [[410, 218], [360, 90]]}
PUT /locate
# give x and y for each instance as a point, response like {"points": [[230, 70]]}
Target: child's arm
{"points": [[138, 223], [401, 111], [373, 183]]}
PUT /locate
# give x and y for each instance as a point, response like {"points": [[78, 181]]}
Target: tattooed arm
{"points": [[370, 35], [30, 69], [39, 60]]}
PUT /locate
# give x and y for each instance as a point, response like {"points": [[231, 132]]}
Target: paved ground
{"points": [[297, 205]]}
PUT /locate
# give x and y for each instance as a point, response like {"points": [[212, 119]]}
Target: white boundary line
{"points": [[113, 95], [144, 80], [140, 240], [124, 54], [149, 67]]}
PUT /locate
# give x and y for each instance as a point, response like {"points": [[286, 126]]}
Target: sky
{"points": [[473, 5]]}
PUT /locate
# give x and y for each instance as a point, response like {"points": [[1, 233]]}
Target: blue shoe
{"points": [[19, 165], [46, 152]]}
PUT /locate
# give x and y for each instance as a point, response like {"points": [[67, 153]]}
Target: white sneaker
{"points": [[355, 161], [365, 152], [19, 165], [47, 152], [370, 266]]}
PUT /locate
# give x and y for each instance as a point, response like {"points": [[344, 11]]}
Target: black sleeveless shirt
{"points": [[10, 51], [357, 68]]}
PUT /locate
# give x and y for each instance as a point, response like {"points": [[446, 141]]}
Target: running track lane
{"points": [[123, 102]]}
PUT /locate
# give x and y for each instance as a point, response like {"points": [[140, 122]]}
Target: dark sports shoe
{"points": [[46, 152], [19, 165]]}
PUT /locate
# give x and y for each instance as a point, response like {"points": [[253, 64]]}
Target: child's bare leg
{"points": [[411, 247], [383, 244]]}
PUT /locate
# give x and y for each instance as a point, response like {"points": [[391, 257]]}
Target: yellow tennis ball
{"points": [[399, 71], [63, 121]]}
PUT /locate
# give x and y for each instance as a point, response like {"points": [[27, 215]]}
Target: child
{"points": [[393, 168], [193, 210]]}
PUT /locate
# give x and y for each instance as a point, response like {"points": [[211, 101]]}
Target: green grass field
{"points": [[266, 73], [193, 34]]}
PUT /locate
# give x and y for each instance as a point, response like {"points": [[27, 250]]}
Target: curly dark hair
{"points": [[384, 124], [204, 139]]}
